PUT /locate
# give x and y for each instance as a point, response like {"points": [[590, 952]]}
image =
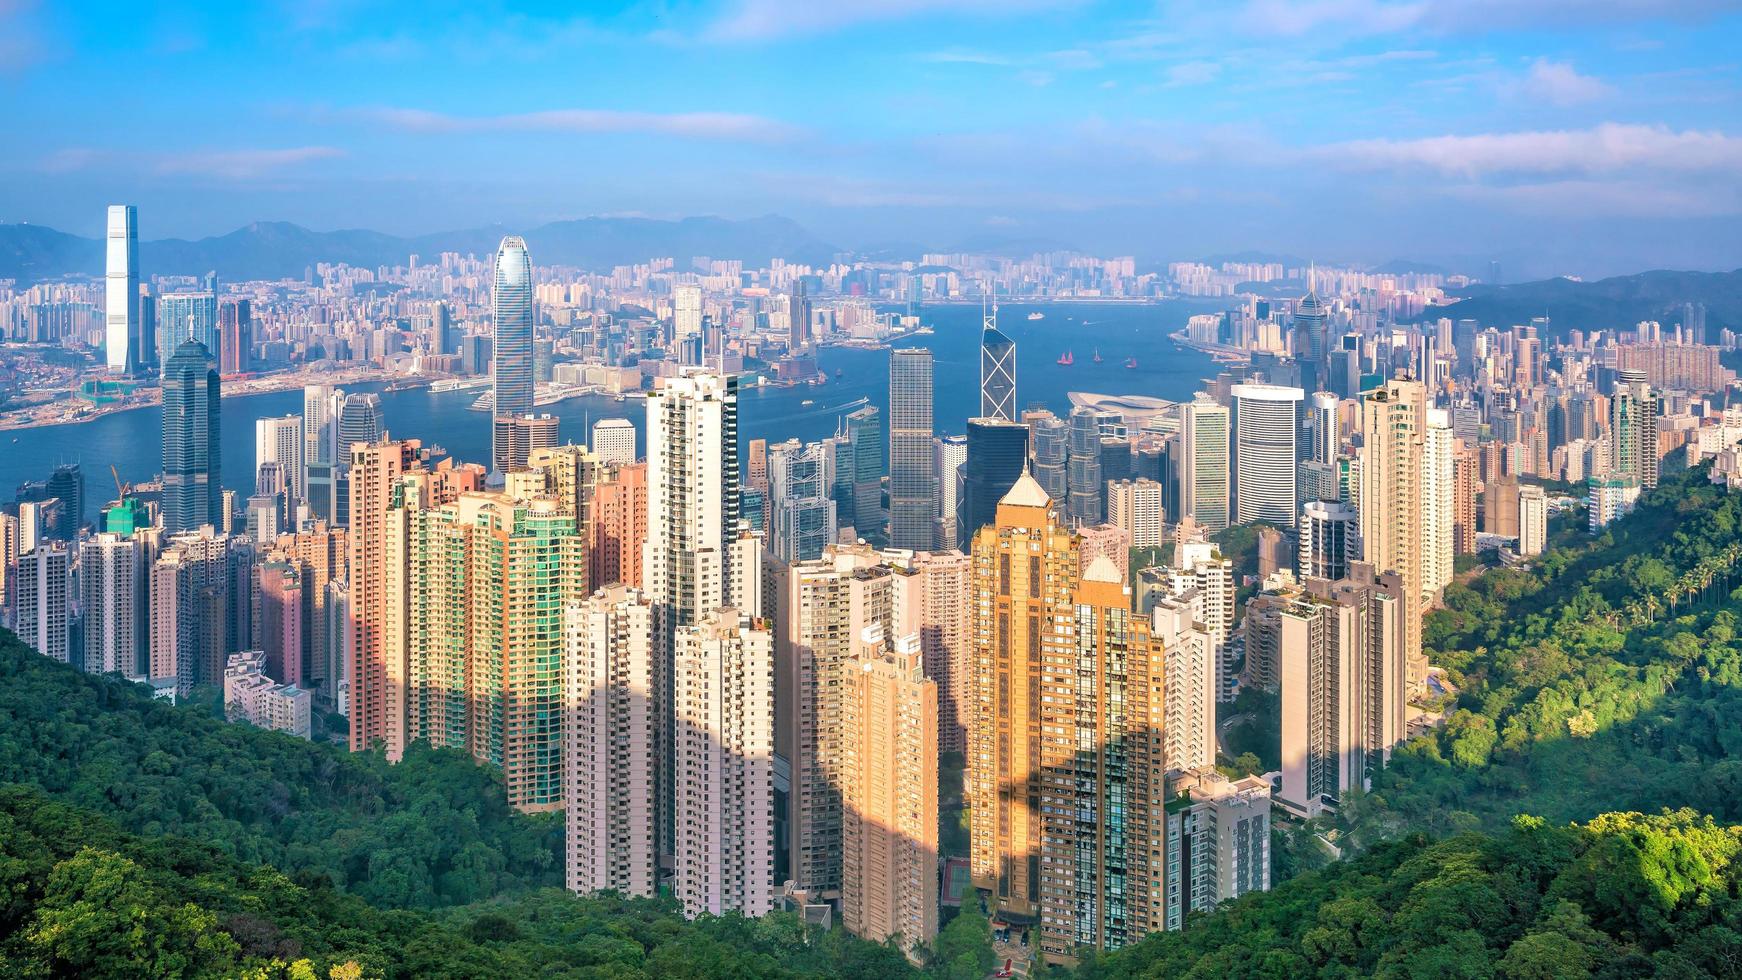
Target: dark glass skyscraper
{"points": [[1084, 471], [511, 300], [997, 371], [1049, 452], [865, 434], [912, 480], [997, 453], [192, 471]]}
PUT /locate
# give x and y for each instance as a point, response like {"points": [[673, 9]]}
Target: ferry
{"points": [[1037, 316], [1131, 362], [808, 402], [1067, 359]]}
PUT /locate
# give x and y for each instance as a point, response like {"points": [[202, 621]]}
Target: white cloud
{"points": [[1613, 198], [1609, 148], [238, 164], [1559, 83], [763, 20], [1193, 73], [1366, 18], [729, 126]]}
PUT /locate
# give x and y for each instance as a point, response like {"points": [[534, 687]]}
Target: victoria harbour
{"points": [[1118, 333]]}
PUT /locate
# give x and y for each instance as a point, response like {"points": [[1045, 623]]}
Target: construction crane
{"points": [[120, 488]]}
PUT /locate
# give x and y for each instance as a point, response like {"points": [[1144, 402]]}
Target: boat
{"points": [[808, 402], [837, 372], [1067, 359], [1037, 316], [1097, 355], [1131, 362]]}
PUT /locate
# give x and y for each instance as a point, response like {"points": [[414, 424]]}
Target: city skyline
{"points": [[1436, 131]]}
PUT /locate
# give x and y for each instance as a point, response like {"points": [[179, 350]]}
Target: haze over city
{"points": [[1558, 137]]}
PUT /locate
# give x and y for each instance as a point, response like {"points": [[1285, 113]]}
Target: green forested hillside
{"points": [[434, 830], [1623, 896]]}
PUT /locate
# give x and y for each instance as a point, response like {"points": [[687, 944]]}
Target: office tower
{"points": [[799, 315], [182, 317], [689, 556], [997, 455], [377, 596], [321, 454], [145, 343], [931, 601], [614, 440], [686, 303], [608, 733], [251, 695], [865, 435], [121, 292], [201, 606], [41, 612], [281, 624], [1049, 439], [1464, 480], [511, 298], [890, 772], [1203, 470], [756, 466], [1265, 453], [1312, 326], [192, 465], [997, 372], [235, 336], [1134, 507], [515, 438], [441, 328], [801, 514], [282, 441], [360, 421], [723, 760], [618, 528], [912, 483], [1439, 505], [1084, 485], [67, 484], [1218, 841], [1343, 658], [1328, 541], [1025, 574], [1326, 437], [1393, 420], [1633, 429], [116, 613], [319, 553], [822, 607], [949, 461], [1532, 521]]}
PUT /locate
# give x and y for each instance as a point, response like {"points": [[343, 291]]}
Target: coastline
{"points": [[153, 397]]}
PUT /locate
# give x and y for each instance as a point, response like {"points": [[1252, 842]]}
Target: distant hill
{"points": [[278, 250], [1616, 303]]}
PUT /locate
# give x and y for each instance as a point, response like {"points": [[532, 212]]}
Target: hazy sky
{"points": [[1586, 136]]}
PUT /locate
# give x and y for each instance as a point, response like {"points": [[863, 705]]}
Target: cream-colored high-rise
{"points": [[1393, 426], [890, 819]]}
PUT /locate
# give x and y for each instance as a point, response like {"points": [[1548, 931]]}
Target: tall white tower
{"points": [[121, 291]]}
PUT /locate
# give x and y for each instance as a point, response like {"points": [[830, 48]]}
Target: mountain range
{"points": [[279, 250], [1616, 303]]}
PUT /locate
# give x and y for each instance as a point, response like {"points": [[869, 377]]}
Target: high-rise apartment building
{"points": [[608, 733], [251, 695], [320, 554], [377, 595], [618, 528], [192, 460], [235, 336], [1393, 427], [1464, 483], [1328, 539], [511, 306], [1265, 453], [614, 441], [722, 724], [1218, 841], [1633, 429], [1439, 504], [1135, 507], [282, 441], [931, 601], [516, 438], [889, 764], [116, 613], [912, 480], [281, 625], [1084, 487], [686, 304], [1532, 521], [1342, 669], [1191, 670], [1203, 468], [201, 606], [949, 459], [41, 607], [121, 354]]}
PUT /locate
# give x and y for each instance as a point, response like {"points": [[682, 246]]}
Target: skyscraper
{"points": [[1204, 462], [799, 315], [1439, 514], [1633, 429], [281, 441], [41, 598], [359, 423], [121, 292], [686, 302], [865, 433], [608, 731], [1326, 439], [321, 454], [117, 621], [997, 454], [614, 440], [187, 316], [1532, 521], [1265, 428], [517, 437], [511, 300], [1328, 541], [192, 465], [1085, 488], [997, 371], [1218, 841], [617, 522], [1393, 420], [377, 596], [890, 820], [801, 514], [1134, 506], [1049, 449], [949, 459], [912, 482], [235, 336]]}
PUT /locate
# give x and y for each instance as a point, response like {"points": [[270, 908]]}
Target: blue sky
{"points": [[1585, 136]]}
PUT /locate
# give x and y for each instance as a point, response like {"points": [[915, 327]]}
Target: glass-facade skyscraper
{"points": [[997, 454], [912, 481], [121, 354], [184, 316], [192, 471], [865, 434], [997, 373], [511, 301]]}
